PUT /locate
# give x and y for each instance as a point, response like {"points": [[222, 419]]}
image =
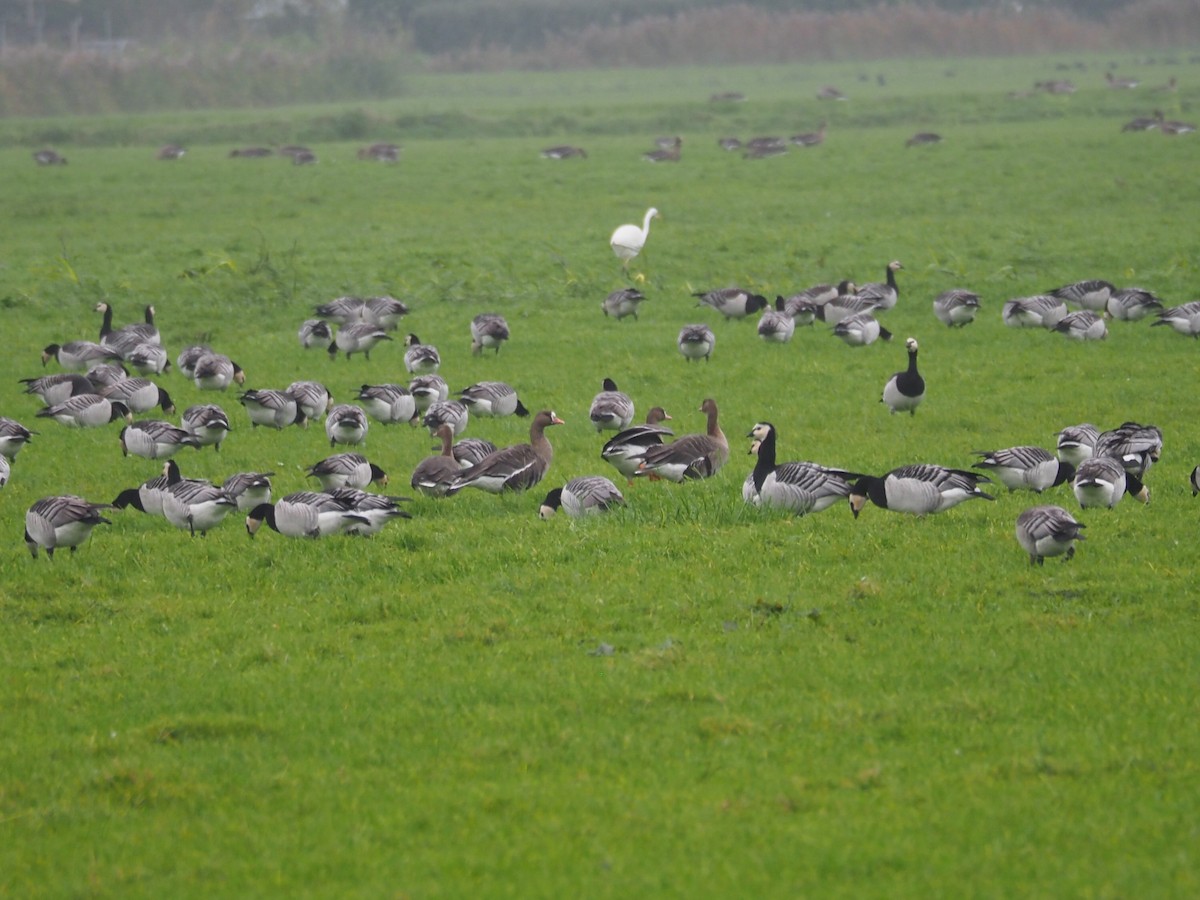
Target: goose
{"points": [[86, 411], [387, 403], [342, 311], [1083, 325], [1194, 480], [1121, 84], [564, 151], [727, 97], [248, 489], [798, 487], [732, 303], [1184, 318], [829, 92], [622, 303], [1137, 447], [146, 497], [624, 451], [106, 374], [215, 372], [470, 451], [314, 333], [1048, 531], [305, 514], [1091, 294], [696, 342], [492, 398], [346, 470], [380, 152], [488, 332], [887, 292], [1103, 481], [846, 304], [919, 489], [189, 356], [1025, 468], [13, 436], [923, 139], [1038, 311], [1132, 304], [207, 423], [312, 397], [729, 144], [860, 329], [583, 496], [61, 521], [372, 511], [56, 388], [250, 152], [148, 359], [515, 468], [155, 439], [48, 157], [196, 506], [272, 408], [139, 394], [5, 470], [125, 339], [820, 294], [357, 337], [170, 152], [956, 307], [384, 311], [302, 157], [1075, 443], [776, 326], [627, 241], [905, 390], [770, 148], [446, 412], [665, 154], [420, 359], [611, 409], [1141, 123], [798, 309], [78, 356], [434, 474], [1172, 128], [691, 456], [1058, 86], [810, 138], [427, 390], [346, 424]]}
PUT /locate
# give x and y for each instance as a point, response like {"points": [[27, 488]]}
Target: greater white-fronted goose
{"points": [[732, 303], [1082, 325], [493, 398], [627, 241], [622, 303], [420, 359], [956, 307], [78, 356], [1132, 304], [314, 333], [690, 456], [216, 372], [611, 409], [1048, 531], [1075, 443], [918, 490], [1038, 311], [86, 411], [207, 423], [515, 468], [582, 496], [798, 487], [272, 408], [624, 451], [346, 470], [860, 329], [305, 514], [696, 342], [139, 394], [1091, 294], [155, 439], [58, 387], [1184, 318], [61, 521], [13, 436], [249, 489], [357, 337], [312, 397], [488, 332], [1101, 481], [346, 424], [434, 474], [885, 293], [1026, 468], [387, 403], [905, 390]]}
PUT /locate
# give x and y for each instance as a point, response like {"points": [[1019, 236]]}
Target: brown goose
{"points": [[691, 456], [515, 468], [434, 474]]}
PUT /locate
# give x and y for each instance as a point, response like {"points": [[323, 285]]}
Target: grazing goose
{"points": [[732, 303], [1026, 468], [1091, 294], [48, 157], [373, 510], [139, 394], [1038, 311], [488, 332], [357, 337], [846, 304], [274, 409], [342, 311], [665, 154], [446, 412], [146, 497], [956, 307], [189, 356], [249, 489], [314, 333], [923, 139], [1184, 318], [5, 470], [860, 329], [148, 359], [1121, 84], [1132, 304], [387, 403], [470, 451], [696, 342], [305, 514], [195, 505], [420, 359], [1103, 481], [810, 138], [627, 241], [829, 92], [155, 439], [564, 151], [1075, 443], [622, 303], [169, 152], [13, 436], [62, 521], [78, 356], [86, 411], [885, 293], [106, 374], [1083, 325], [905, 390], [624, 451], [56, 388], [1136, 447], [214, 372], [250, 152], [380, 152], [427, 390], [312, 397], [207, 423], [1141, 123], [384, 311], [583, 496], [346, 424], [434, 474], [919, 489], [691, 456], [776, 326], [515, 468], [798, 487], [611, 409], [800, 310], [820, 294], [1172, 128], [729, 144], [1194, 480], [492, 398], [1048, 531], [346, 470]]}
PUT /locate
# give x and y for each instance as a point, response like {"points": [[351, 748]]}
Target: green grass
{"points": [[880, 707]]}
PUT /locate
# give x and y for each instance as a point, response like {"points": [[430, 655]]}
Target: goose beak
{"points": [[857, 502]]}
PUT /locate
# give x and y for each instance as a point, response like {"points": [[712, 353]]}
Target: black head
{"points": [[610, 385], [755, 302], [521, 410]]}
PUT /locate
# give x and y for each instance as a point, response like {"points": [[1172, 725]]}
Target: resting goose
{"points": [[155, 439], [434, 474], [312, 397], [86, 411], [427, 390], [62, 521], [1132, 304], [1103, 481], [207, 423], [798, 487], [215, 372], [1083, 325], [13, 436], [919, 489], [271, 408], [387, 403], [515, 468], [195, 505], [732, 303], [78, 356], [624, 451], [357, 337], [470, 451], [611, 409], [56, 388], [1038, 311], [1075, 443], [1026, 468], [314, 333], [905, 390], [446, 412], [346, 424], [860, 329], [305, 514], [1091, 294], [776, 326], [583, 496], [420, 359], [1184, 318], [139, 394], [1048, 531], [691, 456], [346, 470], [1136, 447], [885, 293], [488, 332], [696, 342], [956, 307], [492, 398], [385, 311], [249, 489], [372, 510], [622, 303]]}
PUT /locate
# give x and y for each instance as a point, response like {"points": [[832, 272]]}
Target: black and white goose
{"points": [[387, 403], [583, 496], [1038, 311], [271, 408], [312, 397], [249, 489], [1132, 304], [905, 390], [1091, 294], [1101, 481], [611, 409], [342, 311], [104, 375], [147, 497], [956, 307], [427, 390], [357, 337], [1048, 531], [846, 304], [777, 327], [469, 451], [139, 394], [1194, 480], [1083, 325], [860, 330], [691, 456], [1184, 318], [56, 388], [420, 359], [433, 475], [86, 411], [126, 338], [515, 468], [801, 311], [314, 333], [696, 342], [732, 303], [346, 424], [373, 510], [155, 439], [305, 514], [148, 359], [78, 356], [446, 412], [216, 372], [624, 451], [920, 490], [1135, 446], [886, 293], [820, 294], [194, 505], [5, 470], [489, 331], [207, 423], [384, 311], [493, 398], [61, 521], [798, 487], [564, 151], [346, 470], [13, 436], [1026, 468], [189, 356], [622, 303], [1075, 443]]}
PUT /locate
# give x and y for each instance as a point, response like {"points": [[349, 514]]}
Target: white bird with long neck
{"points": [[628, 240]]}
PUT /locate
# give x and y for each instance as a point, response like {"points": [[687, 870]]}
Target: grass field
{"points": [[688, 696]]}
